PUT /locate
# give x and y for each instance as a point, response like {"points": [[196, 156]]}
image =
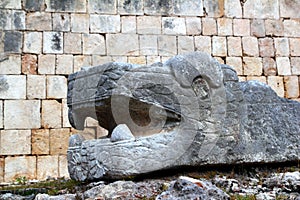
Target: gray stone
{"points": [[66, 5], [102, 6], [213, 8], [13, 41], [133, 7], [263, 9], [120, 133], [34, 5], [189, 111], [5, 19], [18, 20], [158, 7], [188, 7], [52, 42], [61, 22]]}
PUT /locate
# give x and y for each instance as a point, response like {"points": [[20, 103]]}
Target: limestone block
{"points": [[5, 19], [269, 67], [51, 114], [40, 141], [119, 58], [20, 166], [63, 166], [128, 24], [105, 23], [47, 166], [291, 28], [282, 47], [56, 87], [257, 28], [203, 43], [33, 42], [291, 84], [66, 6], [185, 44], [64, 64], [53, 42], [81, 61], [173, 26], [122, 44], [234, 46], [252, 66], [29, 64], [11, 4], [250, 46], [220, 60], [219, 46], [13, 87], [261, 79], [209, 26], [22, 114], [193, 25], [233, 8], [46, 64], [152, 59], [295, 46], [241, 27], [102, 6], [59, 141], [263, 9], [15, 142], [283, 66], [39, 21], [236, 63], [93, 44], [140, 60], [188, 7], [224, 26], [167, 45], [148, 45], [148, 25], [37, 5], [72, 43], [11, 65], [214, 8], [158, 7], [99, 60], [130, 7], [1, 169], [274, 27], [266, 47], [12, 42], [289, 8], [1, 115], [18, 20], [36, 87], [61, 22], [276, 83], [80, 23], [295, 65], [65, 119]]}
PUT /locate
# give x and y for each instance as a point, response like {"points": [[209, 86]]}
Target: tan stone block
{"points": [[152, 59], [40, 141], [252, 66], [148, 44], [59, 141], [167, 45], [119, 58], [81, 61], [282, 46], [233, 8], [105, 23], [20, 166], [236, 63], [209, 26], [56, 87], [193, 25], [185, 44], [64, 64], [269, 67], [250, 46], [15, 142], [262, 9], [128, 24], [63, 166], [1, 169], [101, 132], [214, 8], [13, 87], [140, 60], [257, 28], [283, 66], [130, 44], [36, 87], [234, 46], [203, 43], [219, 46], [224, 26], [61, 22], [29, 64], [46, 64], [149, 24], [276, 83], [173, 26], [291, 84], [33, 42], [80, 23], [40, 21], [99, 60], [65, 118], [261, 79], [289, 8], [181, 7], [266, 47], [51, 114], [89, 133], [295, 65], [10, 65], [1, 114], [295, 46], [47, 166], [165, 58], [274, 27], [22, 114], [241, 27], [291, 28], [72, 43]]}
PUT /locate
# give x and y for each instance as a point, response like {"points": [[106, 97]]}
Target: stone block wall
{"points": [[42, 41]]}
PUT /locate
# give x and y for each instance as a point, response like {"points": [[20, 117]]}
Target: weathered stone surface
{"points": [[219, 46], [233, 8], [40, 141], [214, 8], [167, 45], [51, 114], [34, 5], [250, 46], [15, 142], [294, 46], [291, 28], [162, 98], [291, 84], [274, 27], [47, 166], [266, 47], [224, 26], [66, 6], [61, 22], [120, 133], [63, 166], [158, 7], [65, 120], [11, 4], [130, 44], [128, 24], [234, 46], [241, 27], [46, 64], [10, 65], [295, 65], [53, 42], [269, 67], [173, 26], [140, 60], [209, 26], [203, 44], [12, 87], [261, 79], [1, 169], [102, 6], [193, 25], [148, 25], [276, 83], [185, 44], [36, 87], [282, 47], [93, 44], [1, 116], [72, 43], [29, 64], [80, 23], [22, 114], [56, 87], [236, 63], [39, 21], [262, 9], [148, 45], [80, 61], [5, 19], [20, 166], [105, 23], [133, 7], [258, 28], [18, 20], [288, 8], [12, 41], [33, 42], [64, 64], [188, 7], [59, 141], [283, 66]]}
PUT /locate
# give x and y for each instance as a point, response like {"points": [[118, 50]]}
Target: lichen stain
{"points": [[3, 83], [56, 45], [169, 24]]}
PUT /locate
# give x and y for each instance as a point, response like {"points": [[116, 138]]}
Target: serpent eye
{"points": [[200, 87]]}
